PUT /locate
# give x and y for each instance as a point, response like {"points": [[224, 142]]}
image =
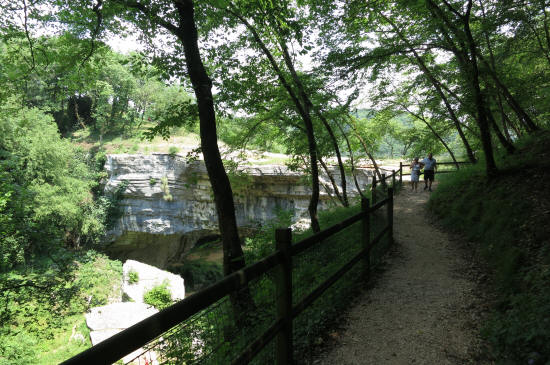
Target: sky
{"points": [[125, 45]]}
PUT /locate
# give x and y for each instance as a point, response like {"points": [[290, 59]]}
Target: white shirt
{"points": [[428, 164]]}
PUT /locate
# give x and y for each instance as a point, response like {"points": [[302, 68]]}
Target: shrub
{"points": [[159, 296], [133, 277], [173, 151], [165, 189]]}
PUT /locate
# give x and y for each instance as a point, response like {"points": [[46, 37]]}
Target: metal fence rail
{"points": [[210, 327]]}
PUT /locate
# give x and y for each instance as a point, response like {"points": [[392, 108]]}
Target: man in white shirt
{"points": [[430, 166]]}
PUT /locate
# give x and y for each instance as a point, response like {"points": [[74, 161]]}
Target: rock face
{"points": [[147, 277], [168, 204]]}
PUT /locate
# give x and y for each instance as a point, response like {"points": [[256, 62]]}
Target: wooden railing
{"points": [[439, 171], [280, 263]]}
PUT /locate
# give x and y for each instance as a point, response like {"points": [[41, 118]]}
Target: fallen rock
{"points": [[147, 278], [117, 316], [108, 320]]}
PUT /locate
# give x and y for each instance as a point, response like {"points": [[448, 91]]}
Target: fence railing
{"points": [[442, 167], [210, 326]]}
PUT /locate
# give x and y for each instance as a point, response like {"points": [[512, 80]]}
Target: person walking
{"points": [[430, 165], [415, 174]]}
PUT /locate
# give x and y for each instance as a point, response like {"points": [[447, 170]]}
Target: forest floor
{"points": [[426, 304]]}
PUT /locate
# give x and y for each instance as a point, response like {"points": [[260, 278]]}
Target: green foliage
{"points": [[165, 189], [41, 307], [159, 296], [501, 215], [175, 109], [133, 277], [520, 329], [173, 151], [262, 243], [198, 274], [46, 186]]}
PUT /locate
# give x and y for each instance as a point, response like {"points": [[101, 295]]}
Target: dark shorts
{"points": [[429, 175]]}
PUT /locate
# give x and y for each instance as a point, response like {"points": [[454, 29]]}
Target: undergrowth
{"points": [[41, 310], [508, 218], [159, 296]]}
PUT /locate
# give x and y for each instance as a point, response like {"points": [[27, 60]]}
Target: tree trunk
{"points": [[233, 258], [345, 200], [370, 156], [421, 118], [304, 112], [307, 101], [332, 182], [504, 118], [502, 139], [520, 112], [478, 97], [351, 160]]}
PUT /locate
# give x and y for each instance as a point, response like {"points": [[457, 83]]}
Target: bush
{"points": [[166, 195], [159, 296], [173, 151], [521, 329], [133, 277]]}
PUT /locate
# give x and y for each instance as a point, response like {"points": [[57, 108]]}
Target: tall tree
{"points": [[176, 19]]}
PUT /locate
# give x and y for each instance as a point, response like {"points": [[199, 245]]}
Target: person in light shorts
{"points": [[430, 166]]}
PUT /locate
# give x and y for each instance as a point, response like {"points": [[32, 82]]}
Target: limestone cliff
{"points": [[168, 204]]}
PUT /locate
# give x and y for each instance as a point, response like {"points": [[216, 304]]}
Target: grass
{"points": [[135, 144], [508, 219], [61, 347]]}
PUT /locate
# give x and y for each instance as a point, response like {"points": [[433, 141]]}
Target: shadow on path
{"points": [[420, 308]]}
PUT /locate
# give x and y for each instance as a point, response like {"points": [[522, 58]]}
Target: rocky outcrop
{"points": [[168, 205]]}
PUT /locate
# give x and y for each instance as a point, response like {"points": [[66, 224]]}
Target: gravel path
{"points": [[422, 308]]}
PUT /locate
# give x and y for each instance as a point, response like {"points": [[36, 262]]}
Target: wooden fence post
{"points": [[400, 173], [365, 235], [283, 283], [373, 188], [390, 214], [393, 179], [383, 181]]}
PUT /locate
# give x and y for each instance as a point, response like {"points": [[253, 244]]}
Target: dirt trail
{"points": [[420, 310]]}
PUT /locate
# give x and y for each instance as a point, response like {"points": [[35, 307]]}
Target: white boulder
{"points": [[147, 278], [108, 320]]}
